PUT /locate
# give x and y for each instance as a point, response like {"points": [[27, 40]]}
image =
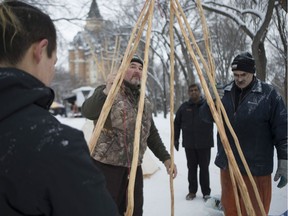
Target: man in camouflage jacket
{"points": [[114, 150]]}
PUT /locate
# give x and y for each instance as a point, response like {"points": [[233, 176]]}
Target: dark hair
{"points": [[194, 85], [21, 25]]}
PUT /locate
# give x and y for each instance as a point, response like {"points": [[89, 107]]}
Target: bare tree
{"points": [[253, 18], [62, 84], [223, 49], [278, 45], [248, 22]]}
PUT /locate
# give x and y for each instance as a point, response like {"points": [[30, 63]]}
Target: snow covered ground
{"points": [[157, 201]]}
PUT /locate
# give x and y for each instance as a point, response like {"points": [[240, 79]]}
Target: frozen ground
{"points": [[157, 199]]}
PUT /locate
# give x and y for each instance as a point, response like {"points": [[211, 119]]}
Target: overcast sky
{"points": [[76, 9], [79, 9]]}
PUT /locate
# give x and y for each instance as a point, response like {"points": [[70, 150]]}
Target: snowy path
{"points": [[157, 187]]}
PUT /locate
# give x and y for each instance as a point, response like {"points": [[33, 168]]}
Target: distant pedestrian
{"points": [[197, 139]]}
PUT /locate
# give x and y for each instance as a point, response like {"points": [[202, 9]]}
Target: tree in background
{"points": [[231, 30], [253, 18], [278, 45], [223, 49], [250, 17]]}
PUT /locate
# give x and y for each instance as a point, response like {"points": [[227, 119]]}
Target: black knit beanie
{"points": [[244, 62], [136, 58]]}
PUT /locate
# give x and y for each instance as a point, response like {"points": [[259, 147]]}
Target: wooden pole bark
{"points": [[217, 118], [206, 40], [116, 53], [219, 107], [98, 64], [212, 73], [130, 207], [172, 61], [130, 50]]}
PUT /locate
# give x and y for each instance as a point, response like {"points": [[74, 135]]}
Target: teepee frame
{"points": [[145, 17]]}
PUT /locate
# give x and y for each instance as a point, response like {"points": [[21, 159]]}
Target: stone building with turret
{"points": [[94, 51]]}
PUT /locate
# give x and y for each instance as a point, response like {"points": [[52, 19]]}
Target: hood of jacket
{"points": [[19, 89]]}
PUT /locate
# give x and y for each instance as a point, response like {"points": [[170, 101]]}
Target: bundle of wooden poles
{"points": [[99, 60], [217, 109]]}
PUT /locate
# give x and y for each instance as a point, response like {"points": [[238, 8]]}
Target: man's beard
{"points": [[135, 81]]}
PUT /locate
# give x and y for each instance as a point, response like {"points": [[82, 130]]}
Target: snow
{"points": [[157, 199]]}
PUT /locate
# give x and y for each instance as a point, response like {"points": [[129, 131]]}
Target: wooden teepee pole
{"points": [[130, 207], [206, 39], [212, 78], [133, 42], [212, 73], [116, 52], [134, 39], [98, 65], [216, 117], [237, 144], [172, 61]]}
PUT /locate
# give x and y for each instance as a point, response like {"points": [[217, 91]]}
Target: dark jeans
{"points": [[117, 184], [201, 158]]}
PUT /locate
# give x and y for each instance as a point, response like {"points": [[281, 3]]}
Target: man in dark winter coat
{"points": [[258, 116], [45, 167], [113, 153], [197, 139]]}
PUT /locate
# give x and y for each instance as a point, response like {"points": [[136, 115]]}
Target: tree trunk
{"points": [[164, 100], [178, 89], [259, 54], [285, 85]]}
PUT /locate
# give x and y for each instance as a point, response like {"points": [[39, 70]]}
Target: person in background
{"points": [[258, 116], [45, 166], [114, 150], [197, 139]]}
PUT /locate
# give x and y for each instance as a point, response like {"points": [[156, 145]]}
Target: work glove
{"points": [[281, 173], [176, 145]]}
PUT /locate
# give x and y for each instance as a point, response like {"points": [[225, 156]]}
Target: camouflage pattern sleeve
{"points": [[156, 145]]}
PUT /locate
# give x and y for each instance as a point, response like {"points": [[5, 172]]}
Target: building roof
{"points": [[94, 11]]}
